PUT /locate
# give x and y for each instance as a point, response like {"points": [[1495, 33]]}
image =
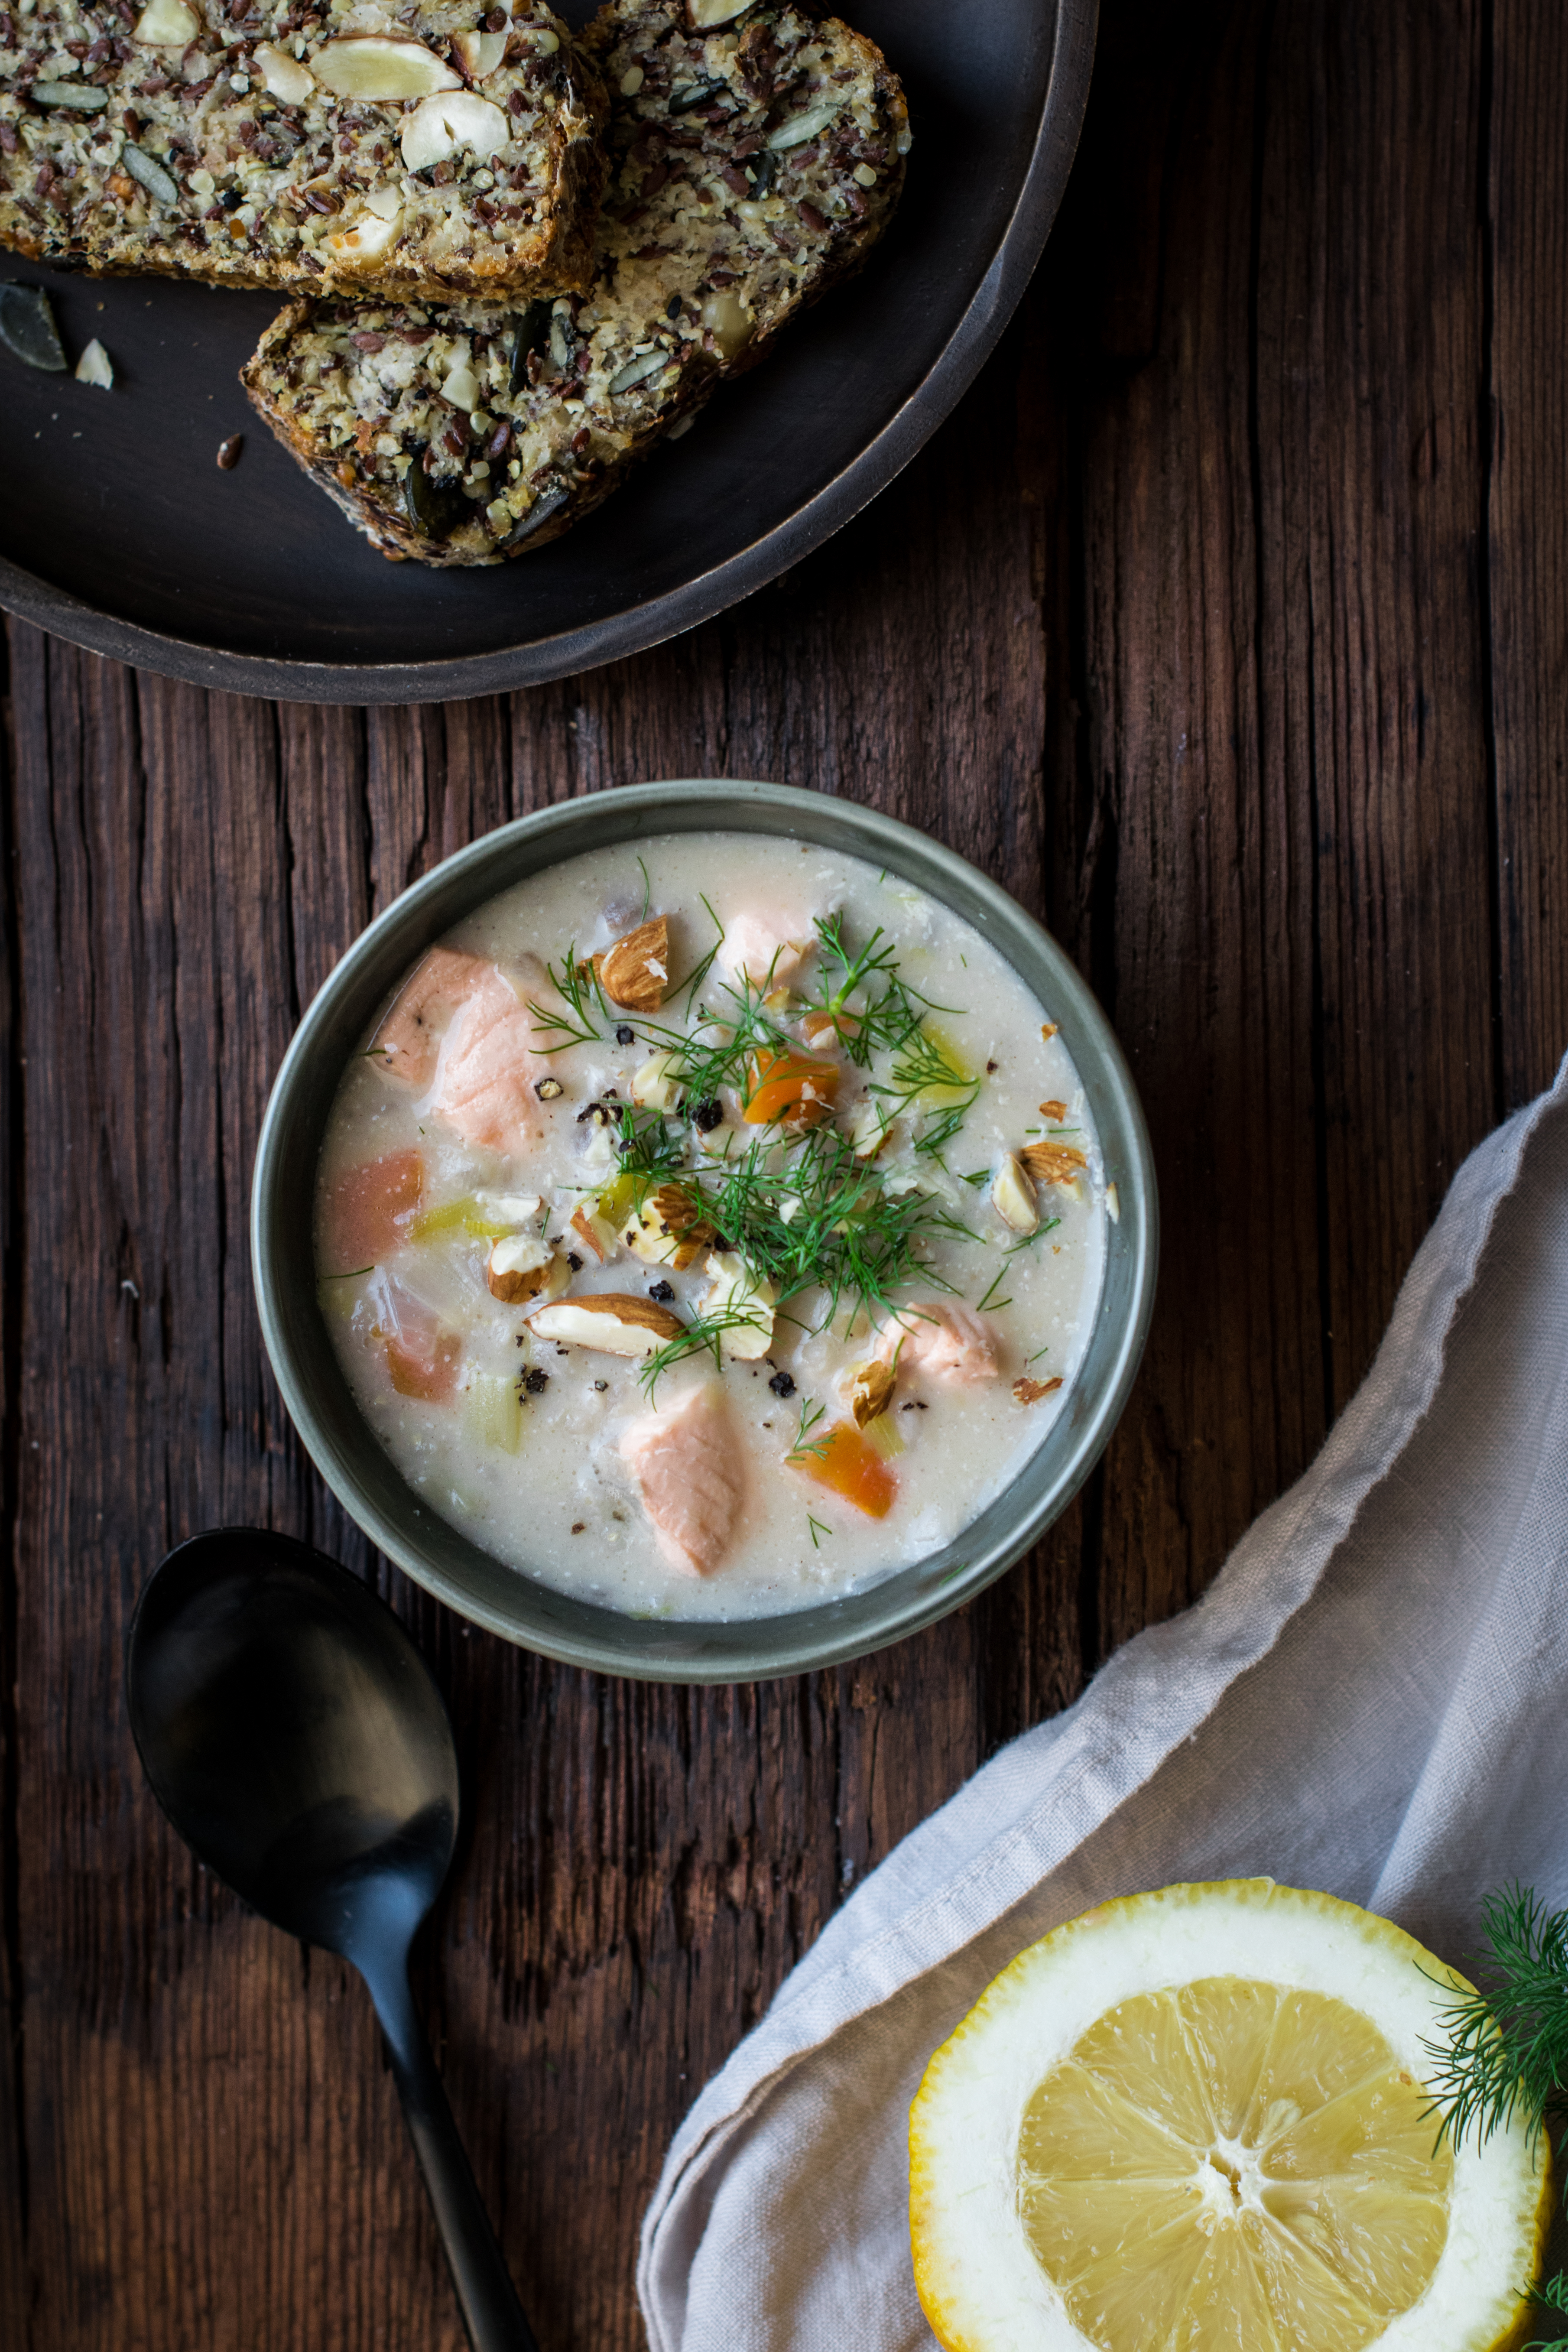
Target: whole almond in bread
{"points": [[753, 165], [302, 145]]}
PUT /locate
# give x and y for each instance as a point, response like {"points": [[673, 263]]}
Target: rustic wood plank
{"points": [[1369, 367], [1528, 549], [1184, 860]]}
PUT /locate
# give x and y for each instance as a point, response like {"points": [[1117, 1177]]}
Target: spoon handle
{"points": [[491, 2312]]}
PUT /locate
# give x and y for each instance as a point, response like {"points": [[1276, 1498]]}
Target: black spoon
{"points": [[294, 1737]]}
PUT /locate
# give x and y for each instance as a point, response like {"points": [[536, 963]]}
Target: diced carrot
{"points": [[366, 1213], [846, 1462], [791, 1086]]}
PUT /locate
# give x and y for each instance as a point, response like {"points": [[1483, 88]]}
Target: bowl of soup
{"points": [[704, 1231]]}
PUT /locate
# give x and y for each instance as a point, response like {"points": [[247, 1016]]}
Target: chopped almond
{"points": [[668, 1230], [1048, 1030], [869, 1390], [869, 1128], [1013, 1197], [636, 972], [617, 1322], [521, 1267], [1054, 1109], [737, 1289], [653, 1087], [1029, 1392], [595, 1232], [1052, 1163]]}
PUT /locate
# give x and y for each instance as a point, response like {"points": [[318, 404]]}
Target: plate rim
{"points": [[543, 659]]}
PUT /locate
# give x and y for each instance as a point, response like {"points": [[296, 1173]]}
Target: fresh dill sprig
{"points": [[578, 985], [819, 1528], [699, 972], [1553, 2297], [1504, 2048], [808, 1215], [887, 1022], [650, 1149], [647, 893], [701, 1336], [1029, 1240], [805, 1447], [991, 1298]]}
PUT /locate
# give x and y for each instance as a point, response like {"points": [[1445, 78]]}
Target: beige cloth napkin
{"points": [[1369, 1700]]}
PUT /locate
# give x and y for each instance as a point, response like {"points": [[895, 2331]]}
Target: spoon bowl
{"points": [[294, 1737]]}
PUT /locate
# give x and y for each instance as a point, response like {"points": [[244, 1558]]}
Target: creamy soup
{"points": [[712, 1227]]}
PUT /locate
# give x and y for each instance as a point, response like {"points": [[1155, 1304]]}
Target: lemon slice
{"points": [[1195, 2121]]}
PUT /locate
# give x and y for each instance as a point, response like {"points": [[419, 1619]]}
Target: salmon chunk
{"points": [[367, 1211], [410, 1036], [943, 1337], [421, 1355], [756, 950], [487, 1077], [689, 1467]]}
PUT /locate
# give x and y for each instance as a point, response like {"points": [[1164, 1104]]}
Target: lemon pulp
{"points": [[1231, 2164]]}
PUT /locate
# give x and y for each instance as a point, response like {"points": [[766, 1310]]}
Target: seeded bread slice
{"points": [[752, 165], [329, 144]]}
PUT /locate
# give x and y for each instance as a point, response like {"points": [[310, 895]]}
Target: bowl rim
{"points": [[409, 925], [635, 627]]}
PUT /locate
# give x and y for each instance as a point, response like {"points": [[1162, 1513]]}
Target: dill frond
{"points": [[1551, 2296], [805, 1447], [701, 1336], [1503, 2050], [699, 972], [578, 986], [991, 1298]]}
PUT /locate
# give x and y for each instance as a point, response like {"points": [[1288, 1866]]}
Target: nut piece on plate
{"points": [[634, 973], [615, 1321], [522, 1268], [653, 1088], [669, 1229], [1029, 1391], [869, 1391], [1013, 1197], [736, 1289], [1053, 1163], [251, 146], [595, 1232]]}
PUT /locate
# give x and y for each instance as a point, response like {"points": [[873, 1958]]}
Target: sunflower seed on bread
{"points": [[753, 165], [277, 144]]}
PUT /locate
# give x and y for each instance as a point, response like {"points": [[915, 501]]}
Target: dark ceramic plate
{"points": [[118, 531]]}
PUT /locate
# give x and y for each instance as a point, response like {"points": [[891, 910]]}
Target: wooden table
{"points": [[1224, 622]]}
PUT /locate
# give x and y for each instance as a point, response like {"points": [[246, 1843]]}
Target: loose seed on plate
{"points": [[228, 452], [548, 1088], [28, 329]]}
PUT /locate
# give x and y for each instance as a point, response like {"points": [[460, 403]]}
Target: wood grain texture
{"points": [[1526, 447], [1225, 624]]}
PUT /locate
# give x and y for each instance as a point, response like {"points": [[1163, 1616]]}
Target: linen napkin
{"points": [[1368, 1700]]}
